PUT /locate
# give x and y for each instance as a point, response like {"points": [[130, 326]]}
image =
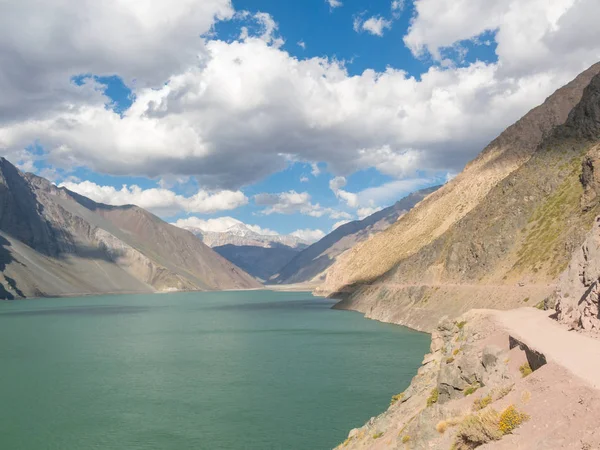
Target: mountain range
{"points": [[54, 242]]}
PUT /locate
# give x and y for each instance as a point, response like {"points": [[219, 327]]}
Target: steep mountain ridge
{"points": [[526, 212], [56, 242], [310, 264]]}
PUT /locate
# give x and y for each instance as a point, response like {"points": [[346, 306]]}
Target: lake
{"points": [[224, 370]]}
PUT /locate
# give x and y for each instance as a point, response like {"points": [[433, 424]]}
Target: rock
{"points": [[353, 433], [491, 355]]}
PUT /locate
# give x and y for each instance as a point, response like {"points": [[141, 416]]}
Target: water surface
{"points": [[227, 370]]}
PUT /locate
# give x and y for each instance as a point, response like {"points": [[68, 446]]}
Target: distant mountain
{"points": [[54, 242], [314, 260], [261, 262], [241, 235]]}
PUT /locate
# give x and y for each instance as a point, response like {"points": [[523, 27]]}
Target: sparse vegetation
{"points": [[433, 397], [476, 430], [405, 438], [510, 419], [461, 325], [396, 398], [443, 425], [377, 435], [526, 299], [503, 392], [456, 352], [449, 360], [487, 426], [525, 369], [541, 305], [482, 402], [471, 389]]}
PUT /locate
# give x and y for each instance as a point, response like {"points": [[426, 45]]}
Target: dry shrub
{"points": [[510, 419], [480, 403], [477, 429]]}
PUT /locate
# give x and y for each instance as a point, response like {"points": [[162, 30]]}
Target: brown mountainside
{"points": [[55, 242], [498, 234]]}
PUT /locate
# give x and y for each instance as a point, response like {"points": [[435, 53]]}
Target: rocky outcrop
{"points": [[578, 288]]}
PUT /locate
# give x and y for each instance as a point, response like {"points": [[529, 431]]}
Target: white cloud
{"points": [[532, 36], [220, 224], [302, 45], [334, 3], [366, 212], [315, 170], [304, 179], [398, 5], [159, 200], [232, 113], [375, 25], [336, 185], [293, 202], [339, 224], [309, 235]]}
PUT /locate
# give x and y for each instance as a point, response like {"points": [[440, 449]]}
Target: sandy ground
{"points": [[577, 353]]}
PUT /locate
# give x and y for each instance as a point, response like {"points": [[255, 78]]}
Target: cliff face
{"points": [[55, 242], [496, 236]]}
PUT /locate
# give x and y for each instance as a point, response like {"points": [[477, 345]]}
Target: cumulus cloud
{"points": [[375, 25], [158, 200], [309, 235], [231, 113], [532, 36], [336, 185], [293, 202], [220, 225]]}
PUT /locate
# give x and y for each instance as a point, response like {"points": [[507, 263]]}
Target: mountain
{"points": [[498, 234], [260, 262], [261, 255], [241, 235], [311, 263], [54, 242]]}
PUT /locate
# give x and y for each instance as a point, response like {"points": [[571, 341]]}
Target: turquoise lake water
{"points": [[226, 370]]}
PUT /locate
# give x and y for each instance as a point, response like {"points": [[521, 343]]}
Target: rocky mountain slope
{"points": [[311, 263], [494, 380], [54, 242], [497, 235]]}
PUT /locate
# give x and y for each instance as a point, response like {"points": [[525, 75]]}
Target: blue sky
{"points": [[285, 115]]}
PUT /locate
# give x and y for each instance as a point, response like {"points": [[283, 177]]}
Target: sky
{"points": [[290, 116]]}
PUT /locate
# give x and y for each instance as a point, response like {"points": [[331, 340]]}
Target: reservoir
{"points": [[224, 370]]}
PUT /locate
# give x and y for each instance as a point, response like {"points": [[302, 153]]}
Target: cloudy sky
{"points": [[292, 116]]}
